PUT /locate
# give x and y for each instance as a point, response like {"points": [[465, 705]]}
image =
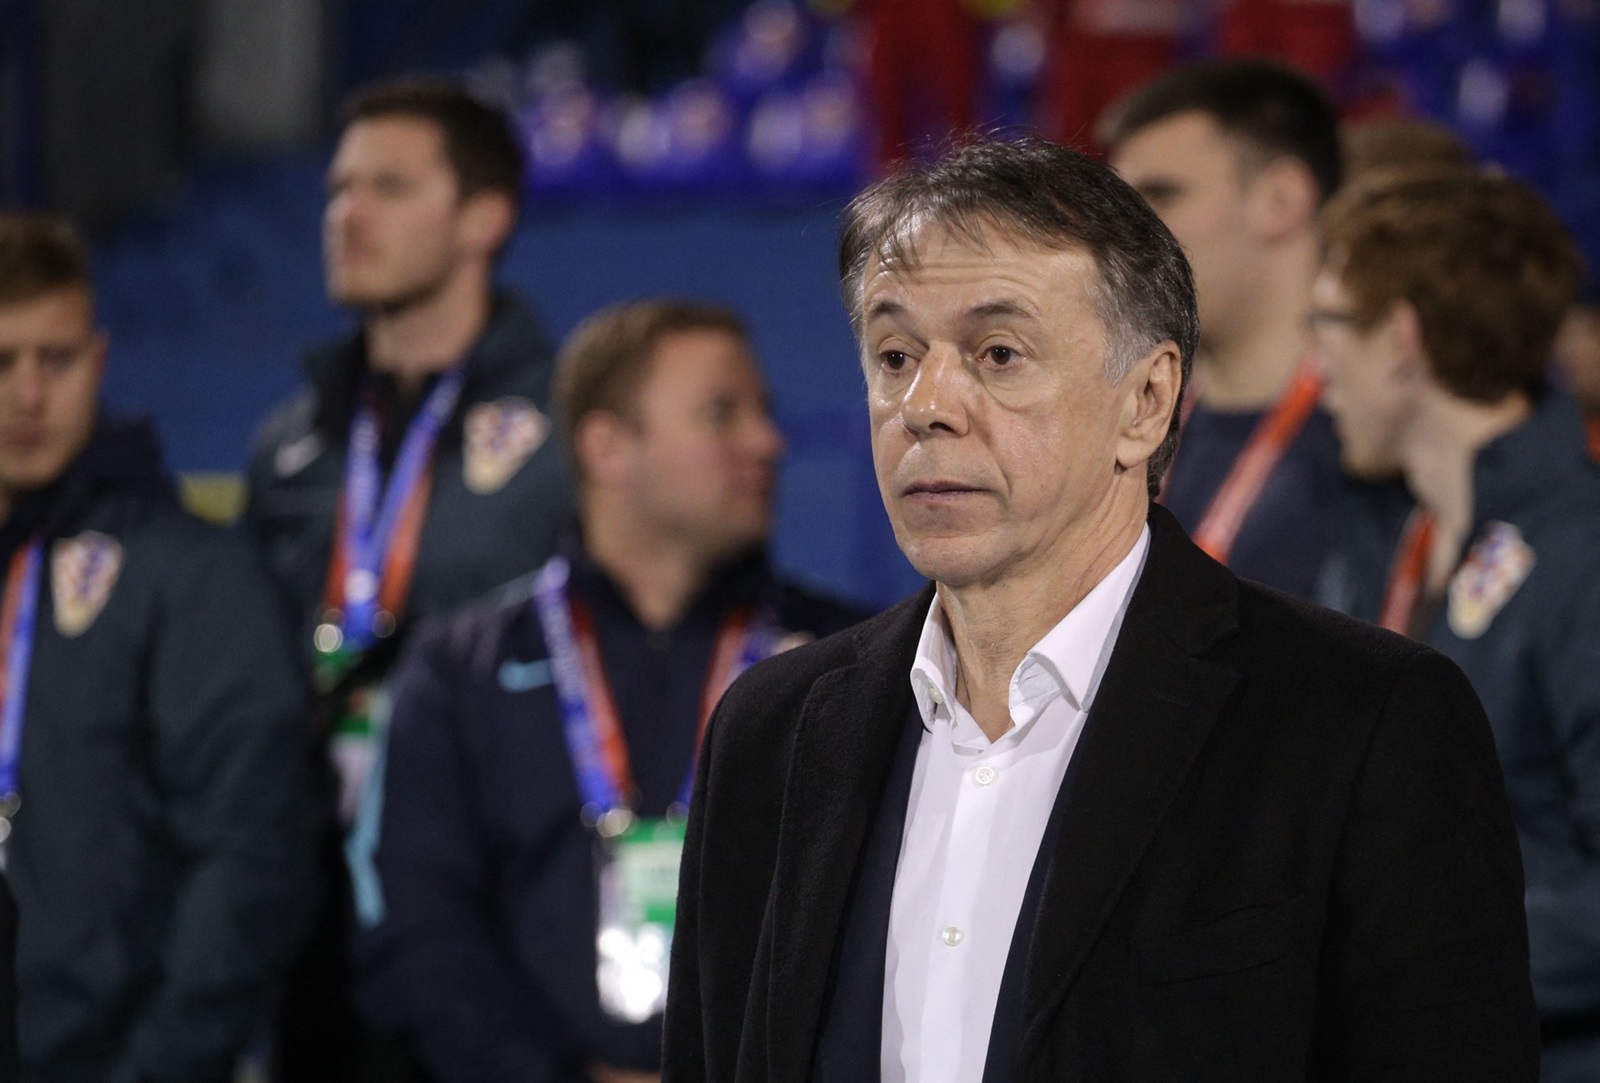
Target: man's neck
{"points": [[1248, 365], [994, 625], [659, 577], [429, 335], [1438, 459]]}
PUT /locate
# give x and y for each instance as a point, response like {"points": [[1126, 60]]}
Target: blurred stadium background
{"points": [[701, 147]]}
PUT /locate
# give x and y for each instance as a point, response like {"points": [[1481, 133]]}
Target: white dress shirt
{"points": [[976, 816]]}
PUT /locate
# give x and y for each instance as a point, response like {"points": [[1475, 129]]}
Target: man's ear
{"points": [[601, 445], [1150, 395], [1283, 198], [1403, 327], [487, 219]]}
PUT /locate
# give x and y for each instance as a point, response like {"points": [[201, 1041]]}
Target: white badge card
{"points": [[638, 882]]}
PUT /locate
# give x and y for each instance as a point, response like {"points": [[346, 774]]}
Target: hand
{"points": [[605, 1073]]}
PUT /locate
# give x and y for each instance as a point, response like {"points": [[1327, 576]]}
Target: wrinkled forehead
{"points": [[974, 243]]}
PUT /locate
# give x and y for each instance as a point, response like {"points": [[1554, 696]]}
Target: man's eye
{"points": [[58, 358], [893, 360], [1000, 356]]}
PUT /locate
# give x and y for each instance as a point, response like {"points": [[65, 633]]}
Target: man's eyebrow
{"points": [[986, 310], [883, 308], [1004, 307]]}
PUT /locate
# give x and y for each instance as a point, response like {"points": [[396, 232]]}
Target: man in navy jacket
{"points": [[502, 812], [153, 755]]}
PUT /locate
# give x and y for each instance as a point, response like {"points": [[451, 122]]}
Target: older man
{"points": [[1434, 317], [1089, 807]]}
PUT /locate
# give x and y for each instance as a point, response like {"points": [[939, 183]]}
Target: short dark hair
{"points": [[1484, 261], [604, 360], [39, 254], [1054, 197], [1274, 110], [477, 138]]}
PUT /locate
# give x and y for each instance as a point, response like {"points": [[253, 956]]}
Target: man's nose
{"points": [[935, 399], [25, 382], [763, 438]]}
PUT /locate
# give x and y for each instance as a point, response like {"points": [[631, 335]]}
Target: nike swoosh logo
{"points": [[524, 676], [294, 457]]}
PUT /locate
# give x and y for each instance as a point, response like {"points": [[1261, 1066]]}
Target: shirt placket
{"points": [[953, 939]]}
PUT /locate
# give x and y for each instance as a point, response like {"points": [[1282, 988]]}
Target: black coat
{"points": [[1286, 853]]}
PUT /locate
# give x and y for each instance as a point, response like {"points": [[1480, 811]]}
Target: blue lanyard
{"points": [[369, 520], [19, 656], [588, 714]]}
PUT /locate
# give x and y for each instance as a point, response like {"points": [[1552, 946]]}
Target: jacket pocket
{"points": [[1243, 940]]}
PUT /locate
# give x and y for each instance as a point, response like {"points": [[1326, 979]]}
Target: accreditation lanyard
{"points": [[1255, 465], [1410, 566], [379, 525], [589, 714], [17, 621]]}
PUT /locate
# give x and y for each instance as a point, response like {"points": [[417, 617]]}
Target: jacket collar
{"points": [[122, 453], [1532, 464], [499, 363], [1157, 702]]}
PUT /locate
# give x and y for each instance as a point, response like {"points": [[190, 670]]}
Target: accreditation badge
{"points": [[1494, 568], [353, 748], [500, 436], [638, 893]]}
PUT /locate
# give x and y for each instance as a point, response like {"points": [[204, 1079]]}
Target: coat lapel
{"points": [[1155, 707], [844, 744]]}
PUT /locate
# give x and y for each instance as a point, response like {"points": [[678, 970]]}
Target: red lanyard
{"points": [[729, 657], [1254, 467], [400, 562], [1406, 575]]}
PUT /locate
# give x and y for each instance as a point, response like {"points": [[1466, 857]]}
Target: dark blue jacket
{"points": [[1536, 666], [1284, 538], [161, 860], [474, 539], [478, 944]]}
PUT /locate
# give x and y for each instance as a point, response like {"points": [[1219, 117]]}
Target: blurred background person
{"points": [[1433, 318], [154, 801], [538, 763], [1237, 156], [1577, 358], [413, 471], [1394, 142]]}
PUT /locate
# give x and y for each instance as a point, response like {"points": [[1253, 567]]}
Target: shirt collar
{"points": [[1069, 660]]}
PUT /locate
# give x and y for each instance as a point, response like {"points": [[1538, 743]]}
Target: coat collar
{"points": [[1157, 701], [511, 357]]}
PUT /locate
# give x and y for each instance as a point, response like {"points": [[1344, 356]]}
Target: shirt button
{"points": [[983, 775], [952, 936]]}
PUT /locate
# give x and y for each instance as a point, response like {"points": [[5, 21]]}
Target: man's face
{"points": [[702, 446], [392, 229], [51, 363], [1577, 354], [994, 429], [1196, 178], [1367, 389]]}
